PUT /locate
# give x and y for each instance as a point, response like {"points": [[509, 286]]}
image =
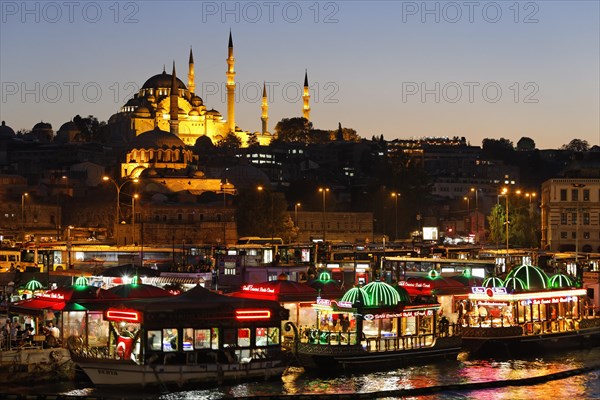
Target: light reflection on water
{"points": [[296, 381]]}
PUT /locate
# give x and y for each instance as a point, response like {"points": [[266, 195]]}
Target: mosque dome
{"points": [[156, 139], [6, 131], [196, 101], [69, 126], [42, 126], [194, 113], [142, 111], [162, 81], [213, 112]]}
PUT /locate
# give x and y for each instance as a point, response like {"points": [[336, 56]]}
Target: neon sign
{"points": [[415, 284], [53, 296], [252, 315], [258, 289], [328, 303], [121, 315], [403, 314]]}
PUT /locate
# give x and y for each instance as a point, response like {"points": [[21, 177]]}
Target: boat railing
{"points": [[532, 327], [376, 343]]}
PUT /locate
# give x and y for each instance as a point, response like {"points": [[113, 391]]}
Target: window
{"points": [[188, 339], [573, 235], [586, 235], [563, 235], [574, 194], [170, 339], [586, 194], [563, 218], [574, 218], [563, 194], [154, 340], [202, 339], [243, 337], [586, 218]]}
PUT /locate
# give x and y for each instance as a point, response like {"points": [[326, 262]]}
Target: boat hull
{"points": [[495, 341], [332, 358], [127, 373]]}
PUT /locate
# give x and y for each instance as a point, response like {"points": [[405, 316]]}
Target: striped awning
{"points": [[164, 280]]}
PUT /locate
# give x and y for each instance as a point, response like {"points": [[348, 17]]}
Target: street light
{"points": [[468, 200], [23, 215], [118, 211], [133, 198], [324, 191], [260, 189], [395, 196], [505, 193], [577, 186], [296, 206], [476, 213]]}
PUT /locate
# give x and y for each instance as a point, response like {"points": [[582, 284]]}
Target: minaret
{"points": [[230, 87], [265, 111], [191, 84], [306, 98], [174, 106]]}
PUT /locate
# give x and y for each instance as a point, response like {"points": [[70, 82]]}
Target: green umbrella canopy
{"points": [[33, 285], [560, 281], [493, 281], [382, 294], [515, 283], [533, 277], [357, 294]]}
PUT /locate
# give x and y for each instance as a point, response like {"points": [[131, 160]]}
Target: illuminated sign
{"points": [[415, 284], [550, 300], [490, 291], [258, 289], [328, 303], [492, 303], [53, 296], [121, 315], [405, 314], [252, 315]]}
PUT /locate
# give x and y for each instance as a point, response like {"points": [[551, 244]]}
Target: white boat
{"points": [[197, 338]]}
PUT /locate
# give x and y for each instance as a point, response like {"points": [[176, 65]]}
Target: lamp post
{"points": [[468, 200], [23, 215], [324, 192], [577, 186], [260, 189], [296, 206], [395, 196], [505, 193], [118, 210], [476, 213], [133, 198]]}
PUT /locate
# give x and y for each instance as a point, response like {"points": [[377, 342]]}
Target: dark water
{"points": [[296, 381]]}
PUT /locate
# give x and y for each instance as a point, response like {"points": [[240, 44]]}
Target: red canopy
{"points": [[279, 290], [138, 291], [425, 286]]}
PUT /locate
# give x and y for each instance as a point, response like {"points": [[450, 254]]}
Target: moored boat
{"points": [[199, 337], [531, 312], [373, 328]]}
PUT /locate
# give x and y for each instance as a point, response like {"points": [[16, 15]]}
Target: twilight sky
{"points": [[404, 69]]}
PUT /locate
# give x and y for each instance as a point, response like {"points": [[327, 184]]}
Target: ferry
{"points": [[197, 338], [528, 311], [372, 328]]}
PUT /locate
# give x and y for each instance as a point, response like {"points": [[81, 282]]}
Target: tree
{"points": [[230, 143], [91, 129], [497, 148], [294, 130], [525, 144], [253, 140], [576, 145]]}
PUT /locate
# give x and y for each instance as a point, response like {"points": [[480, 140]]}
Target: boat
{"points": [[374, 327], [196, 338], [529, 312]]}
